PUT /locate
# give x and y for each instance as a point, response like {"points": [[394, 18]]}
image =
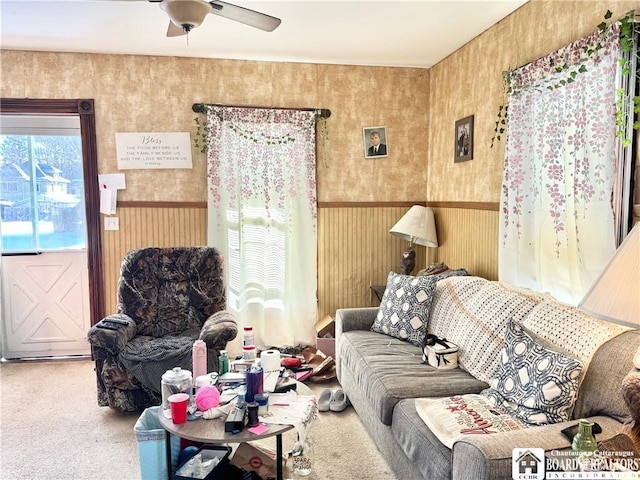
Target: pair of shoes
{"points": [[334, 400]]}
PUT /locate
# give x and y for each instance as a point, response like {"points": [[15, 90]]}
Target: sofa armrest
{"points": [[112, 333], [490, 456], [354, 319]]}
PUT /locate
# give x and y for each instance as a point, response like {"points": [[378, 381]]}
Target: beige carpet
{"points": [[52, 428]]}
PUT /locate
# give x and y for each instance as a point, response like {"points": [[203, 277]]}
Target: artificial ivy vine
{"points": [[629, 30], [201, 138], [323, 140]]}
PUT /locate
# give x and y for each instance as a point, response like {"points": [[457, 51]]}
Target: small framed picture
{"points": [[464, 140], [375, 142]]}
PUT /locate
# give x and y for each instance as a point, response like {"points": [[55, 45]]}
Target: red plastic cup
{"points": [[178, 403]]}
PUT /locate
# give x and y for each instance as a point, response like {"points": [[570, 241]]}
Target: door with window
{"points": [[43, 237]]}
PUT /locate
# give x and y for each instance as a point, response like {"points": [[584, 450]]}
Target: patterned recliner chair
{"points": [[167, 299]]}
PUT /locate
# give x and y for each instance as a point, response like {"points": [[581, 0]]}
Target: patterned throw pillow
{"points": [[538, 385], [404, 309]]}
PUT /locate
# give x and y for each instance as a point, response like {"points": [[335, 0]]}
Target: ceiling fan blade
{"points": [[244, 15], [174, 30]]}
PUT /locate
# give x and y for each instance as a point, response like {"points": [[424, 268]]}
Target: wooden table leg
{"points": [[279, 469]]}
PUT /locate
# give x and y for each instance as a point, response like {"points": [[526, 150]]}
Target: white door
{"points": [[46, 305], [45, 288]]}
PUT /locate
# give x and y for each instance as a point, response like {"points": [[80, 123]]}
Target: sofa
{"points": [[167, 298], [409, 408]]}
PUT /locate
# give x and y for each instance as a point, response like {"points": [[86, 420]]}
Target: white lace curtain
{"points": [[262, 214], [557, 228]]}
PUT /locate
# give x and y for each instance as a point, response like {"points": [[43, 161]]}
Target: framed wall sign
{"points": [[463, 140], [153, 150], [375, 142]]}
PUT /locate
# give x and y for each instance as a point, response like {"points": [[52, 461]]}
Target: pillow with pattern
{"points": [[538, 385], [404, 309]]}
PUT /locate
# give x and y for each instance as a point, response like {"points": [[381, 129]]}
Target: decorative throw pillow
{"points": [[404, 309], [537, 384]]}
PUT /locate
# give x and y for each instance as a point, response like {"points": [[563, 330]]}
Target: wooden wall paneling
{"points": [[148, 227], [468, 239], [355, 251], [355, 248]]}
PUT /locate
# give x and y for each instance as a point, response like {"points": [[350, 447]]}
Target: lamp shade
{"points": [[615, 296], [417, 226]]}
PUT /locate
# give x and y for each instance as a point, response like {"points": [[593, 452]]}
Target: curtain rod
{"points": [[320, 112]]}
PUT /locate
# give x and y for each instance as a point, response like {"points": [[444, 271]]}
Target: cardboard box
{"points": [[327, 346], [325, 333], [326, 326]]}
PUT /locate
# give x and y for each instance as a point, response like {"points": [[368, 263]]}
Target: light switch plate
{"points": [[111, 223]]}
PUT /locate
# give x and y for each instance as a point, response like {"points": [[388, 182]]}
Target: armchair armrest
{"points": [[112, 333], [218, 329]]}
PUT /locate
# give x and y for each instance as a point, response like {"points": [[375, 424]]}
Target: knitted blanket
{"points": [[148, 358]]}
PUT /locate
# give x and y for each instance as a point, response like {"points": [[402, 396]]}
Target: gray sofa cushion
{"points": [[419, 444], [389, 370]]}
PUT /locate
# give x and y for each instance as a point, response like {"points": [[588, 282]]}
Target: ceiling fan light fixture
{"points": [[186, 14]]}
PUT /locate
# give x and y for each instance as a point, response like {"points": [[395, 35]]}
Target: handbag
{"points": [[440, 353]]}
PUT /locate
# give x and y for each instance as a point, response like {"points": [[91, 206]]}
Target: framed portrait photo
{"points": [[375, 142], [463, 140]]}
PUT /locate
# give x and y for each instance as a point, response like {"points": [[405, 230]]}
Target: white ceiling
{"points": [[382, 33]]}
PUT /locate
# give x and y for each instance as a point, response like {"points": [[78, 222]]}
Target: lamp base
{"points": [[407, 261]]}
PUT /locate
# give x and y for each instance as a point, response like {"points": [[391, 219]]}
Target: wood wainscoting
{"points": [[355, 249], [149, 224]]}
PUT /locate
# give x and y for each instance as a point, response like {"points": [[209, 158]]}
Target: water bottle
{"points": [[223, 362], [199, 357]]}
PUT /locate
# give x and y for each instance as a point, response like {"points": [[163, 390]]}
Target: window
{"points": [[41, 183]]}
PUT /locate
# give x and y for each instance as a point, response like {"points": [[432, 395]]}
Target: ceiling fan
{"points": [[186, 15]]}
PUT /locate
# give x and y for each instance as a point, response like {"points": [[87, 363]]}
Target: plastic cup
{"points": [[178, 403]]}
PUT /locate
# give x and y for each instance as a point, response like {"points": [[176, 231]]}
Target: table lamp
{"points": [[415, 226], [615, 297]]}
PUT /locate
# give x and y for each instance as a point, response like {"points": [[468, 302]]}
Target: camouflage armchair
{"points": [[167, 298]]}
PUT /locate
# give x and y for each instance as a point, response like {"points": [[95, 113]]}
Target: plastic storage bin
{"points": [[152, 452], [207, 453]]}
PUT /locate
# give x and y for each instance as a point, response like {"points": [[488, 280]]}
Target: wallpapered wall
{"points": [[144, 94], [469, 82], [419, 107]]}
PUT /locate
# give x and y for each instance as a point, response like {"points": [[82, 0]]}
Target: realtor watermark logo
{"points": [[535, 464], [527, 464]]}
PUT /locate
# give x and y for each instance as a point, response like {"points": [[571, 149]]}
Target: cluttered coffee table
{"points": [[213, 432]]}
